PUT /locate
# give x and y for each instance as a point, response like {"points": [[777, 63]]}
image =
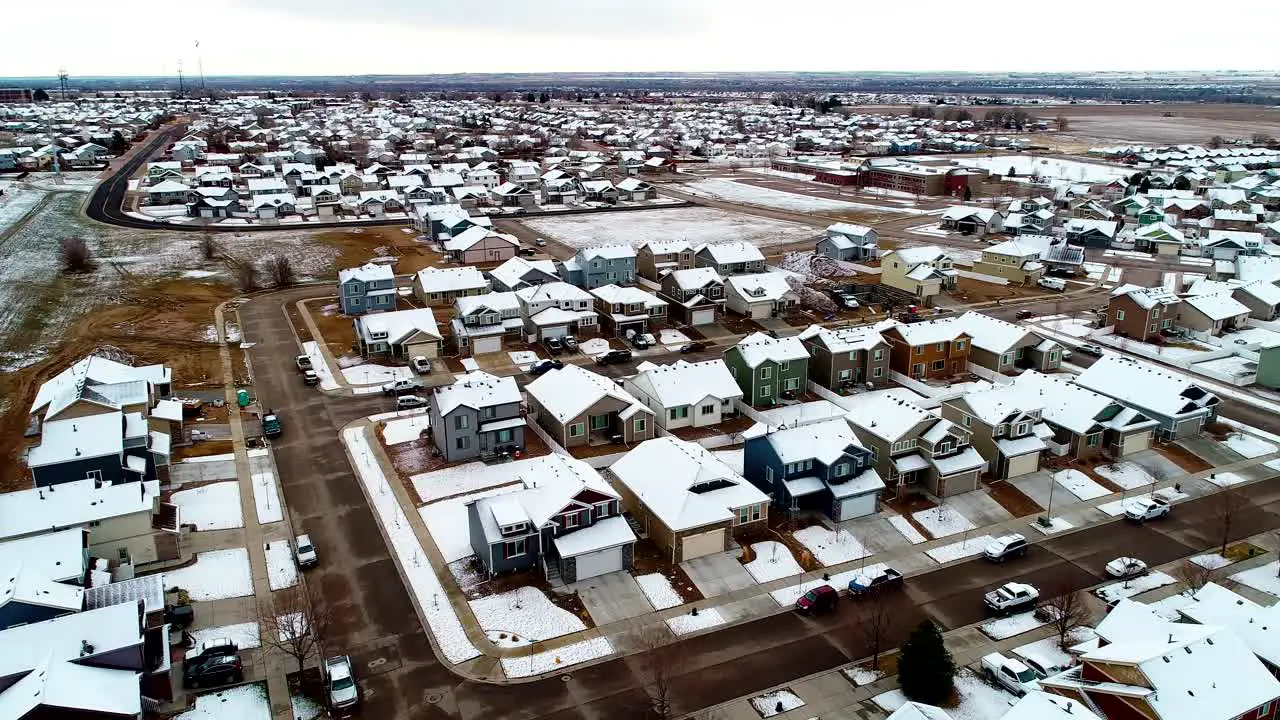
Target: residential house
{"points": [[560, 191], [695, 296], [604, 265], [655, 259], [1216, 605], [519, 273], [1227, 244], [368, 288], [1141, 313], [578, 407], [972, 220], [627, 311], [481, 323], [928, 350], [270, 207], [1091, 233], [1180, 406], [1261, 297], [1005, 348], [849, 243], [478, 244], [566, 522], [1056, 253], [763, 295], [1012, 260], [911, 447], [44, 576], [845, 357], [400, 334], [1001, 422], [818, 467], [556, 309], [636, 190], [1160, 238], [1269, 364], [730, 258], [477, 416], [443, 286], [695, 506], [685, 394], [768, 369], [921, 271], [1212, 315], [599, 191], [1086, 424], [512, 195], [167, 192]]}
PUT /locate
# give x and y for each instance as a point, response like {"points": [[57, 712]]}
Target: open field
{"points": [[1146, 124], [696, 225]]}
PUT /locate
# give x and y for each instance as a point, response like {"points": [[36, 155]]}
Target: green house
{"points": [[1269, 364], [768, 369]]}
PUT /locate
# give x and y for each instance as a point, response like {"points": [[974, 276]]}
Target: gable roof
{"points": [[476, 389], [731, 252], [465, 277], [398, 324], [847, 339], [684, 383], [568, 392], [758, 348], [369, 272], [1145, 386], [991, 333], [823, 441], [1217, 307], [512, 271], [694, 488], [772, 286]]}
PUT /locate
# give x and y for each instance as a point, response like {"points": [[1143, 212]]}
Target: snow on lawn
{"points": [[831, 548], [282, 571], [1007, 627], [375, 374], [215, 575], [773, 560], [243, 702], [776, 702], [1026, 166], [667, 336], [523, 359], [265, 498], [312, 349], [731, 191], [16, 203], [1128, 475], [1079, 484], [1170, 494], [687, 623], [211, 507], [962, 549], [304, 708], [1249, 446], [244, 635], [461, 479], [1225, 479], [1073, 327], [1211, 561], [1150, 581], [549, 660], [417, 571], [978, 700], [407, 428], [692, 225], [942, 521], [290, 626], [908, 531], [658, 589], [860, 676], [524, 615], [1262, 578], [594, 346], [447, 521]]}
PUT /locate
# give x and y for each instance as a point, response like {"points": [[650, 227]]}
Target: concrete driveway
{"points": [[875, 533], [978, 507], [612, 597], [718, 574]]}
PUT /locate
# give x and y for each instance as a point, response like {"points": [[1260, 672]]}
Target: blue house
{"points": [[595, 267], [368, 288], [818, 467], [42, 577]]}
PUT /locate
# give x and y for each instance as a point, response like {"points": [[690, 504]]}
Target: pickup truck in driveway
{"points": [[1011, 674], [340, 689], [1011, 597]]}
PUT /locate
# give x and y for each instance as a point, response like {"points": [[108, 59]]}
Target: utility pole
{"points": [[200, 65], [181, 88], [62, 82]]}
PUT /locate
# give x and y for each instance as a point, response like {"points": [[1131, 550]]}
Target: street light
{"points": [[1046, 520]]}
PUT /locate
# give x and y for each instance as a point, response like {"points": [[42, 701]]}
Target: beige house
{"points": [[439, 287], [1013, 261], [912, 448], [656, 259], [921, 271], [578, 407], [1002, 424]]}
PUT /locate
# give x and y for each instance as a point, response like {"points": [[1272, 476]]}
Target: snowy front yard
{"points": [[243, 702], [830, 548], [265, 499], [942, 521], [1013, 625], [963, 549], [908, 530], [773, 560], [776, 702], [657, 588], [522, 616], [1128, 475], [282, 571], [687, 623], [672, 337], [860, 676], [375, 374], [1079, 484], [211, 507], [244, 635], [406, 428], [1264, 578], [215, 575], [978, 700], [470, 477], [1136, 586], [1248, 445]]}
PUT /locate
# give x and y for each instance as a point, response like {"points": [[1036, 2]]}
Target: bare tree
{"points": [[208, 247], [280, 271], [1227, 505], [875, 624], [293, 625], [75, 255], [1063, 123], [661, 663], [1066, 611], [247, 277], [811, 297], [1193, 576]]}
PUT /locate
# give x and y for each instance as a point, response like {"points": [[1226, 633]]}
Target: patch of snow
{"points": [[215, 506], [1075, 327], [1249, 446], [282, 571], [1048, 651], [523, 359], [830, 548], [1211, 561], [1171, 494], [1263, 578], [1128, 475], [672, 337], [908, 531], [370, 374], [776, 702], [788, 596], [526, 615], [1056, 525], [860, 676], [1079, 484], [942, 521], [963, 549], [266, 498], [735, 459], [242, 702], [406, 428], [594, 346], [657, 588], [199, 274], [291, 626], [695, 225], [1007, 627], [447, 521], [1142, 583], [730, 191], [215, 575], [549, 660], [1168, 607], [244, 635], [304, 708], [312, 349], [687, 623], [461, 479], [1225, 479], [773, 560]]}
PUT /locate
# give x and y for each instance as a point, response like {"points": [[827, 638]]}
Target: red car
{"points": [[821, 599]]}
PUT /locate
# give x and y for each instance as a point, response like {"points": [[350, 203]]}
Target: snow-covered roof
{"points": [[510, 272], [693, 489], [885, 416], [1147, 297], [627, 295], [475, 235], [848, 339], [72, 504], [498, 302], [919, 711], [849, 230], [550, 482], [696, 278], [1013, 248], [568, 392], [105, 630], [1257, 625], [758, 348], [369, 272], [1217, 307], [760, 287], [90, 436], [602, 534], [684, 383], [928, 331], [824, 441], [553, 292], [607, 252], [1040, 705], [398, 324], [59, 684], [916, 255], [89, 378], [1141, 384], [667, 247], [476, 389], [992, 334], [465, 277], [731, 252], [997, 404], [58, 556], [1071, 406]]}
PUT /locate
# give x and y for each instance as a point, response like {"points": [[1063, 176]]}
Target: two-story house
{"points": [[849, 243], [437, 287], [972, 220], [1091, 233], [1086, 424], [402, 334], [695, 295], [477, 245], [566, 521], [1001, 422], [685, 394], [1012, 260], [1210, 315], [578, 407], [1262, 297], [817, 467], [368, 288], [695, 506], [627, 311], [921, 271], [912, 448], [1180, 407], [928, 350], [655, 258], [767, 369], [1141, 313], [730, 258], [519, 273], [44, 576], [1005, 348], [762, 295], [476, 416], [604, 265], [555, 309], [481, 323], [845, 357]]}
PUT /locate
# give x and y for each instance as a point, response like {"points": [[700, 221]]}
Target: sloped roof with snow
{"points": [[731, 252], [568, 392], [917, 255], [928, 331], [1141, 384], [685, 383], [1147, 297], [991, 333], [823, 441], [772, 286], [399, 324], [476, 389], [758, 348], [848, 339], [466, 277], [1217, 307], [885, 416], [994, 405], [683, 483]]}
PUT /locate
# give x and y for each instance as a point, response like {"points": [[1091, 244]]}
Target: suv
{"points": [[613, 356], [398, 387], [304, 552], [310, 377], [1005, 547], [212, 670], [410, 402], [1146, 508], [210, 648], [554, 345], [340, 686], [303, 362], [1089, 349], [823, 598], [420, 365]]}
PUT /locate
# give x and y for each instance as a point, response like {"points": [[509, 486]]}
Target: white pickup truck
{"points": [[1011, 597], [1010, 673]]}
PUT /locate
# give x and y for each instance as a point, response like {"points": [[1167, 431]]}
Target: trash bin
{"points": [[242, 398]]}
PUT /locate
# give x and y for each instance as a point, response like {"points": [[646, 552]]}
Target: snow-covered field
{"points": [[731, 191], [831, 548], [460, 479], [978, 700], [265, 497], [215, 575], [1128, 475], [1143, 583], [312, 350], [902, 525], [371, 374], [1263, 578], [1024, 166], [657, 588], [963, 549], [215, 506], [18, 200], [243, 702], [696, 225], [942, 521], [776, 702], [773, 560], [687, 623], [245, 634], [524, 615], [1007, 627], [282, 571], [1079, 484], [406, 428], [1249, 446]]}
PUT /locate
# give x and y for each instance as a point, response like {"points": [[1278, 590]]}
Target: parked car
{"points": [[527, 251], [540, 242], [544, 366], [410, 402], [305, 552], [212, 670], [570, 342], [420, 365], [198, 434], [554, 345], [340, 687], [303, 362], [613, 356], [210, 648], [1042, 667], [1066, 356], [886, 579], [1024, 314], [1011, 597], [1005, 547], [1011, 674], [1052, 284], [310, 377], [1148, 507], [398, 387], [640, 340], [271, 425], [1089, 349], [692, 347], [823, 598], [1126, 567]]}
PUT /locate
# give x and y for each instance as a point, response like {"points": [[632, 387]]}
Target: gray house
{"points": [[849, 243], [846, 357], [477, 416], [818, 467], [368, 288], [730, 258], [606, 265]]}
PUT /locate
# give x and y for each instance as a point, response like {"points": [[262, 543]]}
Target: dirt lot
{"points": [[1148, 124], [338, 332], [973, 291], [357, 246]]}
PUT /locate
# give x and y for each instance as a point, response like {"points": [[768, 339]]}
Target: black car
{"points": [[543, 366], [212, 670], [691, 347], [614, 356], [1024, 314], [555, 345]]}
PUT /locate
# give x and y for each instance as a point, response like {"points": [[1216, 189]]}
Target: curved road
{"points": [[375, 621]]}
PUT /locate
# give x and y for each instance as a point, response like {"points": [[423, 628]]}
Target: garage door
{"points": [[1023, 464], [707, 543], [599, 563], [1136, 443], [855, 507], [480, 346], [556, 331], [703, 317], [760, 311]]}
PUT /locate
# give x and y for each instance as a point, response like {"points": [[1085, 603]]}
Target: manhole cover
{"points": [[564, 678], [434, 698]]}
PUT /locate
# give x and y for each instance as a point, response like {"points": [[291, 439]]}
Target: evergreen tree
{"points": [[1181, 183], [1144, 187], [40, 95], [926, 670]]}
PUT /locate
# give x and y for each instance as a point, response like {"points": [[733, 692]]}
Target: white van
{"points": [[1052, 283]]}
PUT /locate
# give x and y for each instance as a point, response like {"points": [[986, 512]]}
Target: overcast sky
{"points": [[347, 37]]}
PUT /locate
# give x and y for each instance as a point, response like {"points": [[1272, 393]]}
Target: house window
{"points": [[463, 443], [1023, 428], [599, 422], [708, 409], [784, 366], [920, 350], [966, 420], [487, 412], [1005, 359], [842, 469], [1119, 315], [879, 354], [576, 430], [679, 413], [766, 390], [639, 425], [845, 375], [504, 436], [513, 548], [766, 372], [93, 475], [791, 384], [1153, 327], [939, 364], [1093, 440], [878, 372], [123, 554], [1053, 356], [941, 347], [571, 520], [959, 345], [462, 422]]}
